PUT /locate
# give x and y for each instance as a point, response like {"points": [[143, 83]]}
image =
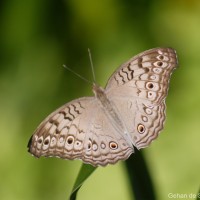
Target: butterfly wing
{"points": [[138, 89], [79, 130]]}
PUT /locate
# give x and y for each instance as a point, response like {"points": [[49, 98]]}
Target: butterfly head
{"points": [[97, 90]]}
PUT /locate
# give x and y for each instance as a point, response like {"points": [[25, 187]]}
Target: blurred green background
{"points": [[38, 37]]}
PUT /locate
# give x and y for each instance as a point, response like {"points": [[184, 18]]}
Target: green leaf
{"points": [[139, 176], [198, 194], [85, 171]]}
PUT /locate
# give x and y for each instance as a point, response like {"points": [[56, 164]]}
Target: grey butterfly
{"points": [[105, 128]]}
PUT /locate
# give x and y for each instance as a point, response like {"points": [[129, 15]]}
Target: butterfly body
{"points": [[104, 129], [111, 111]]}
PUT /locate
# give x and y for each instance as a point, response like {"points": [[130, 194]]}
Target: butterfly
{"points": [[105, 128]]}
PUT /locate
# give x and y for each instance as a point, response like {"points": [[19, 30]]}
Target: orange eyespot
{"points": [[159, 64], [113, 145], [40, 141], [141, 128], [70, 139], [46, 142], [150, 85]]}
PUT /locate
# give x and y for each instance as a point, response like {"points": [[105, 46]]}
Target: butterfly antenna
{"points": [[77, 74], [92, 67]]}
